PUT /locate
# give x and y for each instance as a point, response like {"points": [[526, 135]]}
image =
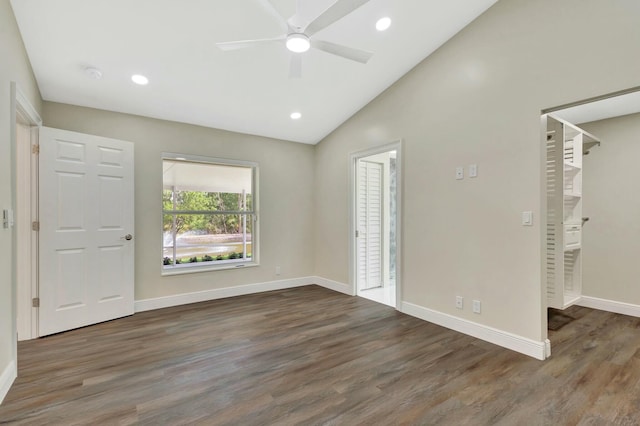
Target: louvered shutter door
{"points": [[369, 225]]}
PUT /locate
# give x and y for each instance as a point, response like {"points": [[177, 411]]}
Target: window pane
{"points": [[203, 177], [203, 188], [206, 201], [167, 200], [207, 238]]}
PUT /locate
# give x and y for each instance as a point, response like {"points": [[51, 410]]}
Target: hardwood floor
{"points": [[312, 356]]}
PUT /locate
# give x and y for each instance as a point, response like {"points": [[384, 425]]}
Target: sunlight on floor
{"points": [[385, 295]]}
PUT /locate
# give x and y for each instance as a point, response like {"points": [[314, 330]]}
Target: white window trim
{"points": [[190, 268]]}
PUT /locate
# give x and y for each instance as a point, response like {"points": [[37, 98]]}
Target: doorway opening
{"points": [[589, 262], [375, 224], [26, 124]]}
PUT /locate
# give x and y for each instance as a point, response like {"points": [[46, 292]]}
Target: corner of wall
{"points": [[6, 379], [334, 285]]}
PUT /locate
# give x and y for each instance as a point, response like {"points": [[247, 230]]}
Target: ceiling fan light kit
{"points": [[298, 39], [298, 43]]}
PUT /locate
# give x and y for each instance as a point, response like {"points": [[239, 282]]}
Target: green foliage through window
{"points": [[208, 213]]}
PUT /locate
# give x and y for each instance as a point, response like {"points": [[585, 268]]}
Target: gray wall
{"points": [[15, 67], [611, 199], [286, 195], [477, 100]]}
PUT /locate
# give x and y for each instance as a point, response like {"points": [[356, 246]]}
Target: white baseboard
{"points": [[6, 379], [610, 306], [507, 340], [334, 285], [219, 293], [547, 347]]}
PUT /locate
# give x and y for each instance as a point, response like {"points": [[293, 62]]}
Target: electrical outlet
{"points": [[476, 306], [459, 172], [277, 270], [459, 302], [473, 170]]}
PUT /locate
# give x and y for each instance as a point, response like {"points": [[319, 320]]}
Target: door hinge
{"points": [[35, 226], [35, 149], [35, 302], [357, 234]]}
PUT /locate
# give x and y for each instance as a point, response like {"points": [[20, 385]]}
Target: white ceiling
{"points": [[172, 42], [599, 110]]}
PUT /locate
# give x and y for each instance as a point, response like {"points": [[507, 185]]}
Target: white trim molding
{"points": [[218, 293], [23, 106], [396, 145], [547, 347], [609, 305], [6, 379], [334, 285], [241, 290], [502, 338]]}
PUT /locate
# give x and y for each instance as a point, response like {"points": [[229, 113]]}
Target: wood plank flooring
{"points": [[311, 356]]}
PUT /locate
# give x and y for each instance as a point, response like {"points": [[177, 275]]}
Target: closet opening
{"points": [[590, 238], [375, 223]]}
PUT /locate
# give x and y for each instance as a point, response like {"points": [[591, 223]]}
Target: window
{"points": [[209, 213]]}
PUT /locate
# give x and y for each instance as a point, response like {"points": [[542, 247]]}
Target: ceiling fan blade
{"points": [[295, 68], [336, 11], [269, 7], [357, 55], [241, 44]]}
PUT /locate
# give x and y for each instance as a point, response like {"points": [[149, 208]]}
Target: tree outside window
{"points": [[209, 213]]}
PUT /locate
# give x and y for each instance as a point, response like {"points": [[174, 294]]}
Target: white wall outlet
{"points": [[473, 170], [459, 302], [527, 218], [476, 306], [459, 172], [277, 270]]}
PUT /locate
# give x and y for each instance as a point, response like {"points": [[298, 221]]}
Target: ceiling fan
{"points": [[299, 35]]}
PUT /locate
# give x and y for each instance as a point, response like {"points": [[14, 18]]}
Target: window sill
{"points": [[187, 268]]}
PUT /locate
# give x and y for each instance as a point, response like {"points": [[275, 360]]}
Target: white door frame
{"points": [[21, 109], [353, 161]]}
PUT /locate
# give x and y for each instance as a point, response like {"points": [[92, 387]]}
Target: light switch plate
{"points": [[459, 302], [527, 218], [473, 170], [7, 218]]}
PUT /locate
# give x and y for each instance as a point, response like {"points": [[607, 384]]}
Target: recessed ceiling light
{"points": [[383, 24], [140, 79], [295, 115], [298, 43], [93, 73]]}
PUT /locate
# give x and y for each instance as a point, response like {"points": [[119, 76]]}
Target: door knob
{"points": [[128, 237]]}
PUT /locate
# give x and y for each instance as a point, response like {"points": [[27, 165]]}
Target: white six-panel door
{"points": [[86, 265]]}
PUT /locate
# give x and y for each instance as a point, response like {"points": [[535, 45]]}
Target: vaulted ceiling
{"points": [[249, 90]]}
